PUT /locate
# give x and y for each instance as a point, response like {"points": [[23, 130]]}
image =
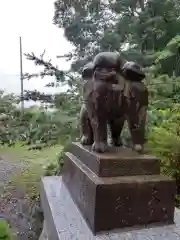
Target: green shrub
{"points": [[164, 141], [166, 144]]}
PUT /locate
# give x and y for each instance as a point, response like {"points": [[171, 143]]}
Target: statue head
{"points": [[107, 65], [87, 71], [132, 71]]}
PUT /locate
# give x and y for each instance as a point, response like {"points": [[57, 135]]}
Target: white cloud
{"points": [[33, 21]]}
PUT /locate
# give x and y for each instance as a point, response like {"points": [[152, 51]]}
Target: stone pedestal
{"points": [[63, 220], [118, 189]]}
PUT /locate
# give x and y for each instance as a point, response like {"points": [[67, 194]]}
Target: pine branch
{"points": [[69, 56], [49, 69]]}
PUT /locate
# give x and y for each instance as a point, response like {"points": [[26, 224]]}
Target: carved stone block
{"points": [[117, 162], [108, 203]]}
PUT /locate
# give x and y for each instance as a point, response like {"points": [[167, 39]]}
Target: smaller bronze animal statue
{"points": [[136, 101]]}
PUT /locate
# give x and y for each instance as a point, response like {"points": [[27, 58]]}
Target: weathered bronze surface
{"points": [[133, 72], [87, 71], [109, 100], [116, 162], [86, 131], [108, 203]]}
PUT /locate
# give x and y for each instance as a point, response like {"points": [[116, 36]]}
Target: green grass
{"points": [[35, 163], [5, 232], [32, 166]]}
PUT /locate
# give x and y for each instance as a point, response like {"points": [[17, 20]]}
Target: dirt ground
{"points": [[15, 206]]}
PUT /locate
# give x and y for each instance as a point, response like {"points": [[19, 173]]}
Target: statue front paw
{"points": [[138, 148], [100, 147], [85, 140]]}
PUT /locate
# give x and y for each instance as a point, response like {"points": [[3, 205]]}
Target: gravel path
{"points": [[15, 207]]}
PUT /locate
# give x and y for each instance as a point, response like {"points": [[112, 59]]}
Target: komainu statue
{"points": [[112, 93], [136, 102], [86, 130]]}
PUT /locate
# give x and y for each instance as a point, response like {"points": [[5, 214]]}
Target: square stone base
{"points": [[117, 162], [65, 222], [117, 202]]}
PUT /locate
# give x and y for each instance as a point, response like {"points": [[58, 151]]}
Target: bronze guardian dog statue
{"points": [[112, 94]]}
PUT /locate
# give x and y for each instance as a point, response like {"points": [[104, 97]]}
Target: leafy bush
{"points": [[164, 141], [38, 128]]}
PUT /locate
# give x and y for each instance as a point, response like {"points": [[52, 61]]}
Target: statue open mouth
{"points": [[106, 75]]}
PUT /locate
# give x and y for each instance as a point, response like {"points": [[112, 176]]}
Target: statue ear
{"points": [[87, 71]]}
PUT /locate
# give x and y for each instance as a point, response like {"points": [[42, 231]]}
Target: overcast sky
{"points": [[32, 20]]}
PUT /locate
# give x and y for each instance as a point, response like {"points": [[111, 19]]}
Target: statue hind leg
{"points": [[85, 127]]}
